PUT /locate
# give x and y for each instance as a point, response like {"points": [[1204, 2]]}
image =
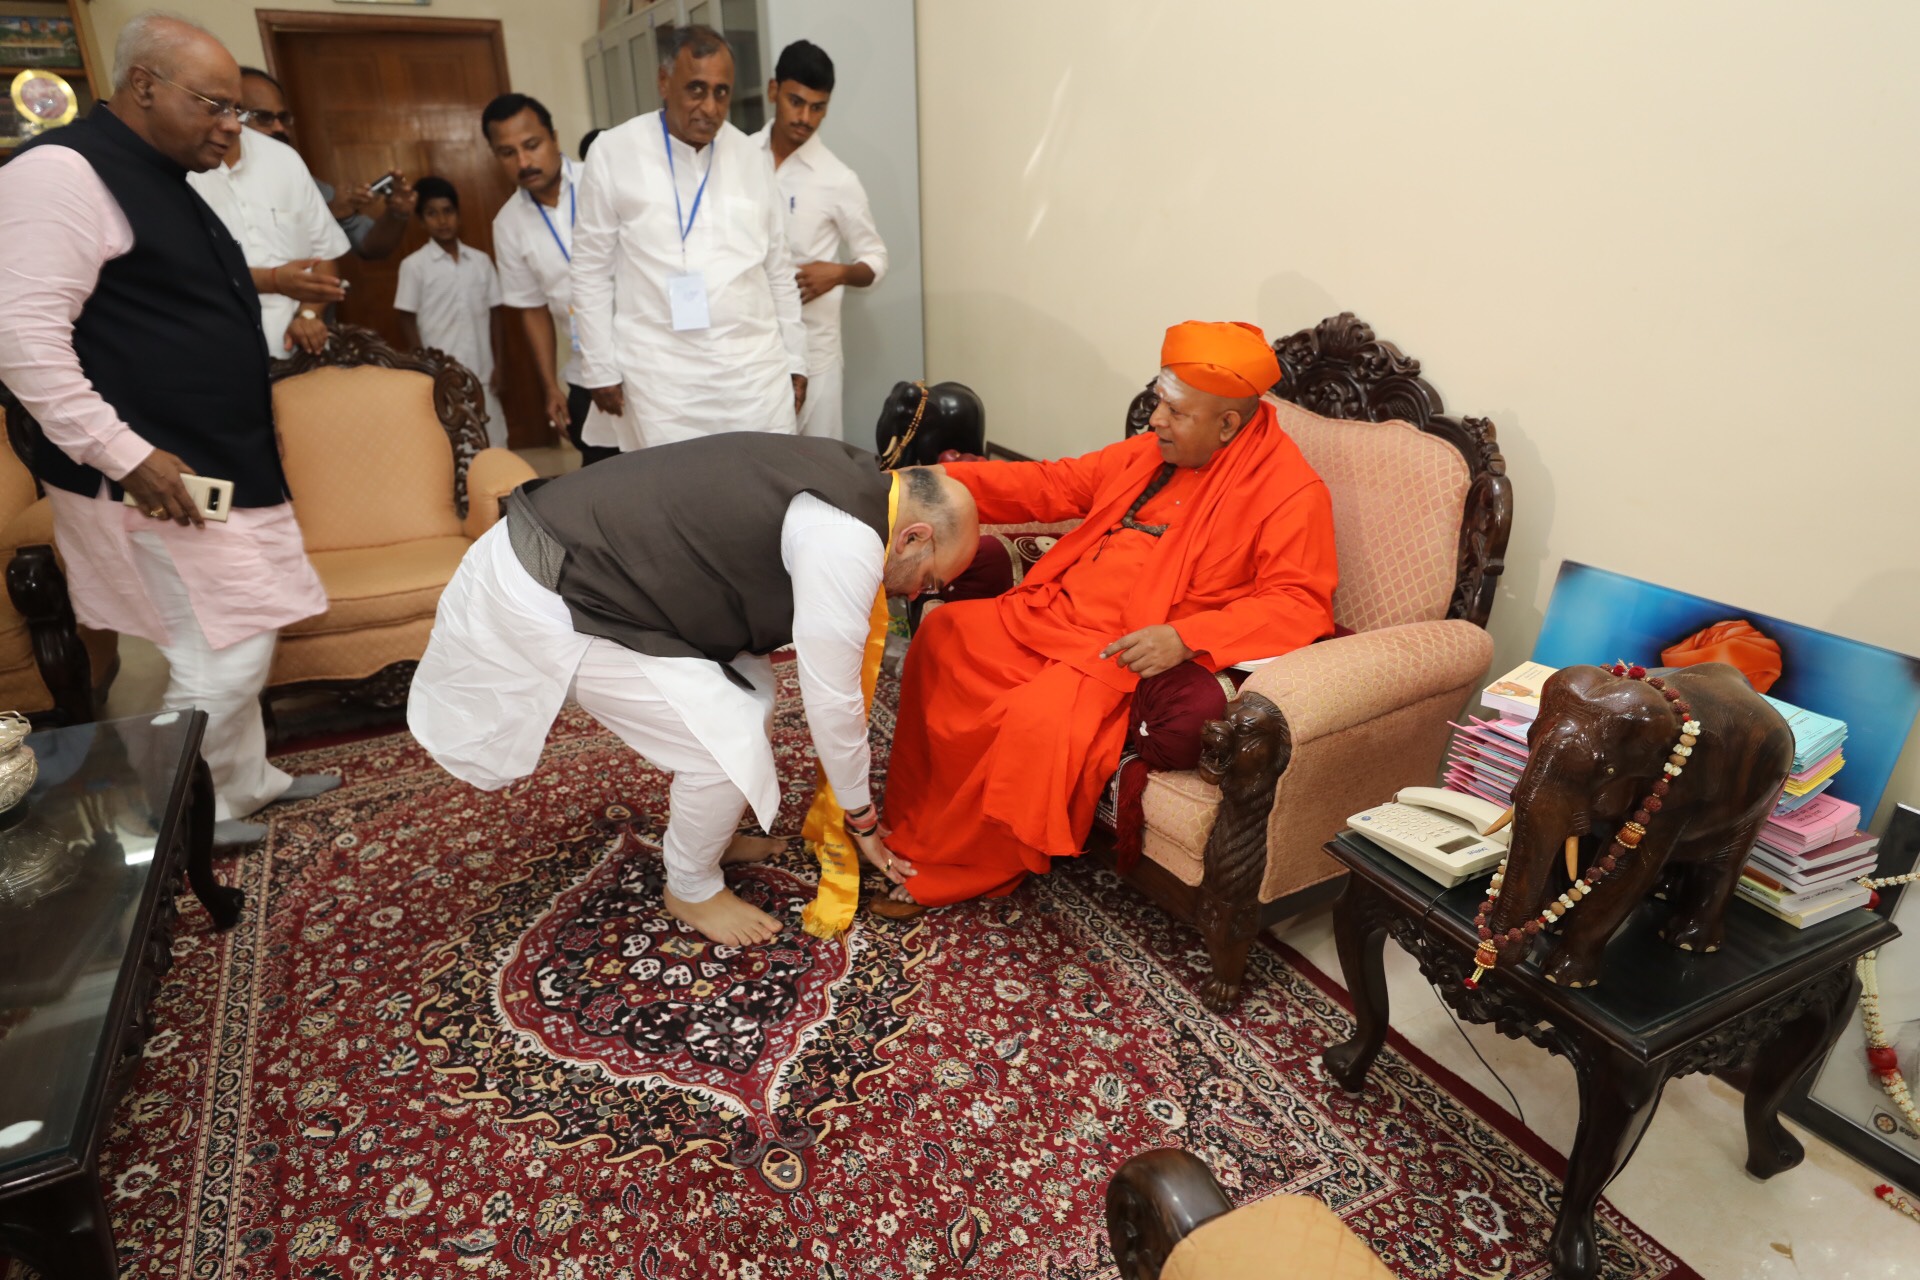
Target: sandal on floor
{"points": [[888, 909]]}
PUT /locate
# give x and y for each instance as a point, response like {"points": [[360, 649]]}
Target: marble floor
{"points": [[1687, 1185]]}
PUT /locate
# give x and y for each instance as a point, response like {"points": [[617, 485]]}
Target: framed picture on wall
{"points": [[1842, 1100]]}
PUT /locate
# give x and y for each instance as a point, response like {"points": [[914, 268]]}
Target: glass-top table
{"points": [[88, 868]]}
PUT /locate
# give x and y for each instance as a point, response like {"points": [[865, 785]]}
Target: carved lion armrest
{"points": [[491, 475], [1154, 1201]]}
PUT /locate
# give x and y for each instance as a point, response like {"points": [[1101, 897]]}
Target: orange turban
{"points": [[1737, 643], [1230, 359]]}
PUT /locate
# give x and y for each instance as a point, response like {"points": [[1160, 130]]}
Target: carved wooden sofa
{"points": [[1167, 1219], [1422, 510], [386, 455], [52, 669]]}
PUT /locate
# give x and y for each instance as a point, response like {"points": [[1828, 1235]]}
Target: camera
{"points": [[383, 186]]}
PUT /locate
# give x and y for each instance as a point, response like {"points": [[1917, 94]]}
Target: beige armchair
{"points": [[386, 455], [1422, 509], [51, 669]]}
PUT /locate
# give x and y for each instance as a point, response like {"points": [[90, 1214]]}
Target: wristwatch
{"points": [[308, 313]]}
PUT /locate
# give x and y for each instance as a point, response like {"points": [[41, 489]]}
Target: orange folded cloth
{"points": [[1738, 643], [1226, 359]]}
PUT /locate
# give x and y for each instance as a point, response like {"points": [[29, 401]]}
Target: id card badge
{"points": [[687, 296]]}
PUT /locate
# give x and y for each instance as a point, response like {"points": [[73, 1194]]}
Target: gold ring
{"points": [[157, 512]]}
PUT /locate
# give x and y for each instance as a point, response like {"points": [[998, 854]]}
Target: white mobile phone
{"points": [[213, 497]]}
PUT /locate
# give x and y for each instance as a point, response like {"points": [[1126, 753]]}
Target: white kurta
{"points": [[271, 205], [533, 243], [452, 301], [827, 215], [736, 373]]}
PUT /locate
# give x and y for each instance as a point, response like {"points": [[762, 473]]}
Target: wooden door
{"points": [[373, 94]]}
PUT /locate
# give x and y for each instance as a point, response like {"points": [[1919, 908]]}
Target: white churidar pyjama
{"points": [[503, 658], [224, 683]]}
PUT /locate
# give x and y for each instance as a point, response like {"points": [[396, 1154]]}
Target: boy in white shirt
{"points": [[449, 297]]}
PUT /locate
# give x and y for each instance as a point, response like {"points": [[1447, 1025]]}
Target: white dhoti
{"points": [[821, 415], [503, 658]]}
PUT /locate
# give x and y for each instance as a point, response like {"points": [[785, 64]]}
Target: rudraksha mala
{"points": [[1625, 841]]}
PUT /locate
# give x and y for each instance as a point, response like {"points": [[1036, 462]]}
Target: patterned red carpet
{"points": [[455, 1035]]}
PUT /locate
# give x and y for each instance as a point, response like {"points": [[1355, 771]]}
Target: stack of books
{"points": [[1807, 864], [1488, 753], [1817, 743]]}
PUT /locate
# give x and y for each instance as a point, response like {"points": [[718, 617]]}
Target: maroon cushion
{"points": [[990, 574], [1169, 711]]}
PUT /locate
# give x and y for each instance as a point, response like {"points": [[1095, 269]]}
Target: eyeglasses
{"points": [[265, 118], [217, 109]]}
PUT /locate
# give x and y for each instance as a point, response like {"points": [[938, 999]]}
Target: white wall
{"points": [[1667, 247], [873, 125], [543, 39]]}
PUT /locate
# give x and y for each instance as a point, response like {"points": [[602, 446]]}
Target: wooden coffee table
{"points": [[130, 805], [1773, 997]]}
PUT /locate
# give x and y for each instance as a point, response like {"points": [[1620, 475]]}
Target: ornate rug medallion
{"points": [[672, 1041]]}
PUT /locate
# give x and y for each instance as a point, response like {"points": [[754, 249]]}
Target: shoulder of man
{"points": [[278, 158]]}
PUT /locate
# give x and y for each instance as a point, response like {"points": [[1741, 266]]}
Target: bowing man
{"points": [[1207, 541], [652, 587], [683, 290]]}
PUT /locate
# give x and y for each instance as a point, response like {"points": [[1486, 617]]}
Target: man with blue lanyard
{"points": [[533, 249], [684, 297]]}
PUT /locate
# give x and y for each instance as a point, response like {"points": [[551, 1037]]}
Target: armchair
{"points": [[1422, 510], [386, 454], [53, 670]]}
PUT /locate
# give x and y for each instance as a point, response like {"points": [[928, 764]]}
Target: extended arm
{"points": [[596, 242], [1063, 489], [835, 563]]}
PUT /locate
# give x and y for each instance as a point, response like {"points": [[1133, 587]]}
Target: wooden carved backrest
{"points": [[376, 442], [1422, 504]]}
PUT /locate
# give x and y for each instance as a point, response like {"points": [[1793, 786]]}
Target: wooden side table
{"points": [[1774, 997]]}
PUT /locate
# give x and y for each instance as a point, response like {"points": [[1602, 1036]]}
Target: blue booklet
{"points": [[1815, 737]]}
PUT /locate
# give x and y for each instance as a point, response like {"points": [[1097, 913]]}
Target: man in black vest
{"points": [[653, 587], [132, 338]]}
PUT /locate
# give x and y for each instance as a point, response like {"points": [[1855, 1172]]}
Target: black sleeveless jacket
{"points": [[675, 550], [171, 335]]}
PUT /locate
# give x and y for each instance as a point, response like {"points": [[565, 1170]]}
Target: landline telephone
{"points": [[1441, 834]]}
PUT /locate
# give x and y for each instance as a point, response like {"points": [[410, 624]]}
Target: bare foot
{"points": [[725, 919], [746, 848], [899, 893]]}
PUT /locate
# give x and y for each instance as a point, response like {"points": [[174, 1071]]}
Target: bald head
{"points": [[936, 532], [176, 87]]}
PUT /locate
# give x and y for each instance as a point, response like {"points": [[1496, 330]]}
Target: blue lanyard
{"points": [[573, 215], [684, 221]]}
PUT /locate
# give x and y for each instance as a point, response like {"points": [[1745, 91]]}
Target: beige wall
{"points": [[543, 40], [1668, 248]]}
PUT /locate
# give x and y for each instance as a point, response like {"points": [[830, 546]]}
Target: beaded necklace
{"points": [[1625, 841]]}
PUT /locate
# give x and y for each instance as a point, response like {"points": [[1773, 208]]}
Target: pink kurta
{"points": [[58, 227]]}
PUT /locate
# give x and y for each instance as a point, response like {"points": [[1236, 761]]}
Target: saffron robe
{"points": [[1011, 722]]}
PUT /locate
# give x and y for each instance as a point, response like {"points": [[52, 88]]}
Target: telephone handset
{"points": [[1442, 834]]}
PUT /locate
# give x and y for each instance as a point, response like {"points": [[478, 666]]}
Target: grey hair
{"points": [[1168, 386], [152, 40], [699, 40], [930, 500]]}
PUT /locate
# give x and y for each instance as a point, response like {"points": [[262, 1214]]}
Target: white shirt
{"points": [[734, 374], [836, 563], [269, 201], [827, 212], [452, 300], [533, 243]]}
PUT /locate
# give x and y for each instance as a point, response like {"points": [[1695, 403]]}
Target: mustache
{"points": [[530, 173]]}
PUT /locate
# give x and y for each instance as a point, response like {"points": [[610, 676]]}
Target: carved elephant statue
{"points": [[1600, 745], [922, 422]]}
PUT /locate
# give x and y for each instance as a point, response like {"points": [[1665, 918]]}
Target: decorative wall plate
{"points": [[44, 99]]}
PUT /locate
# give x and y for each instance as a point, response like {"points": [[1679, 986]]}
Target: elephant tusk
{"points": [[1503, 820], [1573, 857]]}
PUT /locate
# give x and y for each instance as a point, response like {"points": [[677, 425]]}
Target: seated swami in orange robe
{"points": [[1208, 539]]}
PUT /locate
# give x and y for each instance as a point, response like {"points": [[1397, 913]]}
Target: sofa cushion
{"points": [[380, 586], [1279, 1238], [367, 460], [1398, 496]]}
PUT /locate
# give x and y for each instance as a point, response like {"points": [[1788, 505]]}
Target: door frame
{"points": [[277, 22]]}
